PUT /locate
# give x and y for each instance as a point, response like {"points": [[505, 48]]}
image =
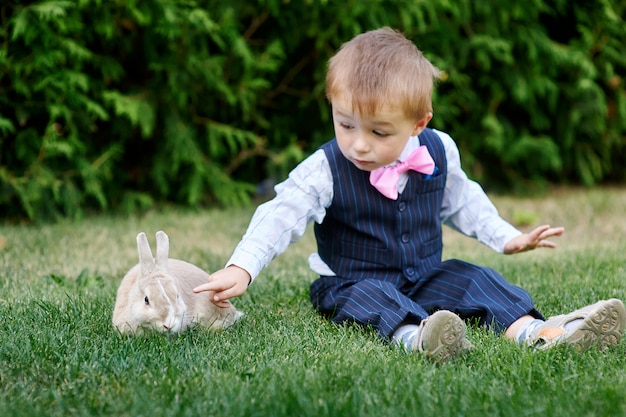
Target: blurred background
{"points": [[128, 105]]}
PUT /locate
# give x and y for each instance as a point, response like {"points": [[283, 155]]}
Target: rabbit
{"points": [[157, 294]]}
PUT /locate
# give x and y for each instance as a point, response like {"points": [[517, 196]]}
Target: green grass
{"points": [[59, 355]]}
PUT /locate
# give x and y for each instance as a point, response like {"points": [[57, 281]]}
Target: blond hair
{"points": [[382, 68]]}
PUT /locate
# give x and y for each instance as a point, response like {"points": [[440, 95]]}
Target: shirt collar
{"points": [[412, 144]]}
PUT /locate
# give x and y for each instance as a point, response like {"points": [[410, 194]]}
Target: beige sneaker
{"points": [[442, 336], [602, 325]]}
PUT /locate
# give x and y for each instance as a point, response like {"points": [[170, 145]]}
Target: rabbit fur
{"points": [[157, 294]]}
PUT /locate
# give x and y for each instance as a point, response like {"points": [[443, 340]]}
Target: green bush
{"points": [[127, 104], [534, 91]]}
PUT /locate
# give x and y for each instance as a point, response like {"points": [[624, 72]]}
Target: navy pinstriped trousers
{"points": [[471, 291]]}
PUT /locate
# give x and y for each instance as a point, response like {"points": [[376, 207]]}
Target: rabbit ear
{"points": [[163, 248], [145, 254]]}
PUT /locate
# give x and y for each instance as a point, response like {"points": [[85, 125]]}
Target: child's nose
{"points": [[360, 143]]}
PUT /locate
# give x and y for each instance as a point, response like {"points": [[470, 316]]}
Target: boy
{"points": [[379, 193]]}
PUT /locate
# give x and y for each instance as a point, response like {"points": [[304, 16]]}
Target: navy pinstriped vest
{"points": [[366, 235]]}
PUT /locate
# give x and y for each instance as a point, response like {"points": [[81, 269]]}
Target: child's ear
{"points": [[421, 124]]}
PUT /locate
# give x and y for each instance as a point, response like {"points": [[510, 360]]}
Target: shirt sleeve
{"points": [[467, 209], [302, 198]]}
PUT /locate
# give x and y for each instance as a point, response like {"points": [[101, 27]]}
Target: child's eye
{"points": [[345, 125], [380, 134]]}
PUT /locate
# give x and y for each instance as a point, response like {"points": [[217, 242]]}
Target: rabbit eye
{"points": [[146, 300]]}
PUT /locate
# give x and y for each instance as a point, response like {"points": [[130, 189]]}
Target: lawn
{"points": [[60, 356]]}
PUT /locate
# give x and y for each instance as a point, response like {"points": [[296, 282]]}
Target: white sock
{"points": [[527, 328], [405, 334], [573, 325]]}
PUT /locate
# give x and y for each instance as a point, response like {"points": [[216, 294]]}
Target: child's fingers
{"points": [[546, 231], [223, 303], [226, 293], [547, 244], [214, 286]]}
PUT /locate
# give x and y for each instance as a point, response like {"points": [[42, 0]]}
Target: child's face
{"points": [[371, 142]]}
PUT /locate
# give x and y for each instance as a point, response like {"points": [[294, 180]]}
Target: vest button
{"points": [[405, 237], [401, 206], [409, 271]]}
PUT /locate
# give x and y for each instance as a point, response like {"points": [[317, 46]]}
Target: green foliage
{"points": [[148, 102], [536, 91], [128, 104]]}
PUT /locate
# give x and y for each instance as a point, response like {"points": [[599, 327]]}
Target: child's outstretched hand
{"points": [[535, 239], [226, 283]]}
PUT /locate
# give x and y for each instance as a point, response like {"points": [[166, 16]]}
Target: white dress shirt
{"points": [[304, 196]]}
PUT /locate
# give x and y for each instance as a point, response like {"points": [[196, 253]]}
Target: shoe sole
{"points": [[443, 336], [603, 327]]}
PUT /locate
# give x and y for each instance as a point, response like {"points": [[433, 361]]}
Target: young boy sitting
{"points": [[378, 194]]}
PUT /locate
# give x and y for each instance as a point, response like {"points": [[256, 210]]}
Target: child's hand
{"points": [[226, 283], [534, 239]]}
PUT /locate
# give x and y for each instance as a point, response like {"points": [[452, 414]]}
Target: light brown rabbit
{"points": [[157, 294]]}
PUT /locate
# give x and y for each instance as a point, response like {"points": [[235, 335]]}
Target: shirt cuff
{"points": [[500, 235]]}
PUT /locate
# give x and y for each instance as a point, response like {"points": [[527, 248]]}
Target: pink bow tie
{"points": [[385, 179]]}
